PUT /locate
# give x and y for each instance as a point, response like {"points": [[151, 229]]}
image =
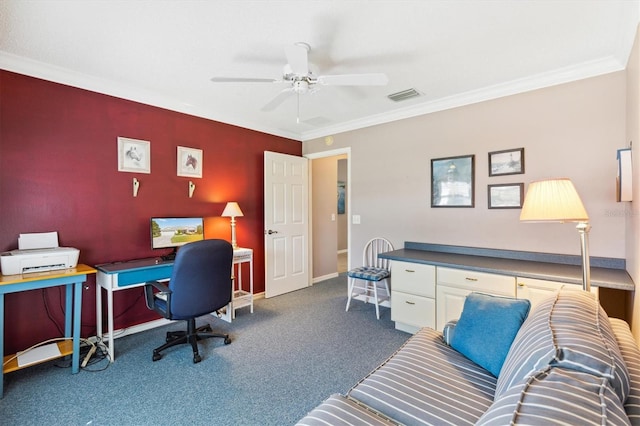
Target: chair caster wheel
{"points": [[207, 328], [227, 340], [156, 356], [197, 359]]}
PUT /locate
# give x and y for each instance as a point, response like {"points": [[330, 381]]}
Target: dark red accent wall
{"points": [[59, 172]]}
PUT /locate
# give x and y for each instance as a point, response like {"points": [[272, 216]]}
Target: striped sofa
{"points": [[568, 364]]}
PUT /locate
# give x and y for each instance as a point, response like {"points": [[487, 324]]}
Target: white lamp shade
{"points": [[553, 200], [232, 209]]}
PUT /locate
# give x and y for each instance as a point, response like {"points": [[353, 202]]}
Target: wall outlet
{"points": [[356, 219], [333, 217]]}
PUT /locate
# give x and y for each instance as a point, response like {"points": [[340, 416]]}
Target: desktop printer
{"points": [[38, 260]]}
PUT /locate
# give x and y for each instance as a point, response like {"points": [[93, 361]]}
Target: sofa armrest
{"points": [[447, 332], [631, 354]]}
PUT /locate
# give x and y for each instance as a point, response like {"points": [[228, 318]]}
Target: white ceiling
{"points": [[164, 53]]}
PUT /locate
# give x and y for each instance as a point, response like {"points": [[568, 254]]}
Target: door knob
{"points": [[271, 232]]}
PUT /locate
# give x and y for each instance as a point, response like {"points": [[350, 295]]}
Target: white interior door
{"points": [[286, 223]]}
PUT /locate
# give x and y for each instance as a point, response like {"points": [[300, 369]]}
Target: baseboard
{"points": [[134, 329], [324, 277]]}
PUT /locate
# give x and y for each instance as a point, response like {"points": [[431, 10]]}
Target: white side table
{"points": [[242, 296]]}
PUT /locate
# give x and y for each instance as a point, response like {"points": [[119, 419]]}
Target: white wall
{"points": [[324, 177], [632, 214], [571, 130]]}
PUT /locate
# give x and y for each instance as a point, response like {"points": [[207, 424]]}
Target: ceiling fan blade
{"points": [[275, 102], [243, 80], [298, 58], [375, 79]]}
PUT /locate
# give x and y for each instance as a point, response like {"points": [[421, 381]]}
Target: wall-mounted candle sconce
{"points": [[192, 187], [136, 186]]}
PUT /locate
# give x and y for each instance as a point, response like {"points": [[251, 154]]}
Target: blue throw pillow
{"points": [[487, 327]]}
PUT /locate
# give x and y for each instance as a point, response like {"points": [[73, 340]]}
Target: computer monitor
{"points": [[173, 232]]}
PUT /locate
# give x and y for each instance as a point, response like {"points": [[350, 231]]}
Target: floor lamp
{"points": [[232, 210], [556, 200]]}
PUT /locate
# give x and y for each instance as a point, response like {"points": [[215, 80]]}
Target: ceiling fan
{"points": [[301, 80]]}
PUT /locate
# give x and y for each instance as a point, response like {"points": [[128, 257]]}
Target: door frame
{"points": [[324, 154]]}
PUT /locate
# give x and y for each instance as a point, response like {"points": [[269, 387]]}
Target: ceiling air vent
{"points": [[404, 95]]}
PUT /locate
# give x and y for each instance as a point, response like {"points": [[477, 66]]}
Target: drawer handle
{"points": [[471, 279], [409, 303], [521, 284], [409, 270]]}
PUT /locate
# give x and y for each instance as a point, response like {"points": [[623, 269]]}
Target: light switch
{"points": [[356, 219], [333, 217]]}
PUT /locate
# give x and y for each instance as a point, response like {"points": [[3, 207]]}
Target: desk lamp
{"points": [[556, 200], [232, 210]]}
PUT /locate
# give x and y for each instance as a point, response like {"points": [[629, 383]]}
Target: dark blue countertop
{"points": [[118, 267], [543, 266]]}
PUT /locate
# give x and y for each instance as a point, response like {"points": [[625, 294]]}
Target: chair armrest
{"points": [[150, 296]]}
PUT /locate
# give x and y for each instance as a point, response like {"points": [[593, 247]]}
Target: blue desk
{"points": [[72, 279], [135, 273]]}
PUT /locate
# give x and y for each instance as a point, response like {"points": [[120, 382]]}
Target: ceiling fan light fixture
{"points": [[303, 80], [301, 86], [404, 95], [304, 45]]}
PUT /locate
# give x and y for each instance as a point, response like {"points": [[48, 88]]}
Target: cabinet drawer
{"points": [[477, 281], [413, 310], [414, 278], [134, 276]]}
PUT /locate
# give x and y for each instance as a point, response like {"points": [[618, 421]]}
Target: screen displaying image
{"points": [[167, 232]]}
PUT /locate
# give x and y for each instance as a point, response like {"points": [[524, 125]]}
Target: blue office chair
{"points": [[200, 284]]}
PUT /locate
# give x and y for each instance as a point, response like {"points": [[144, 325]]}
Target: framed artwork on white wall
{"points": [[507, 162], [341, 197], [505, 196], [452, 181]]}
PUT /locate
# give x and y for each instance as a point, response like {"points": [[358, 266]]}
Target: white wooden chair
{"points": [[370, 282]]}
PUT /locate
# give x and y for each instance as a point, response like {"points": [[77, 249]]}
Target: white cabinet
{"points": [[454, 285], [413, 291], [450, 303], [430, 283], [425, 295], [535, 290]]}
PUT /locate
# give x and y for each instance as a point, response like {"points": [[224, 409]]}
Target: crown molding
{"points": [[560, 76], [65, 76], [44, 71]]}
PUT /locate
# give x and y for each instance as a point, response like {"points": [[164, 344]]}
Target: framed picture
{"points": [[341, 197], [452, 181], [189, 162], [507, 162], [134, 155], [505, 196]]}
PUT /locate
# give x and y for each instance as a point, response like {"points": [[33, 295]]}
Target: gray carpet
{"points": [[287, 357]]}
